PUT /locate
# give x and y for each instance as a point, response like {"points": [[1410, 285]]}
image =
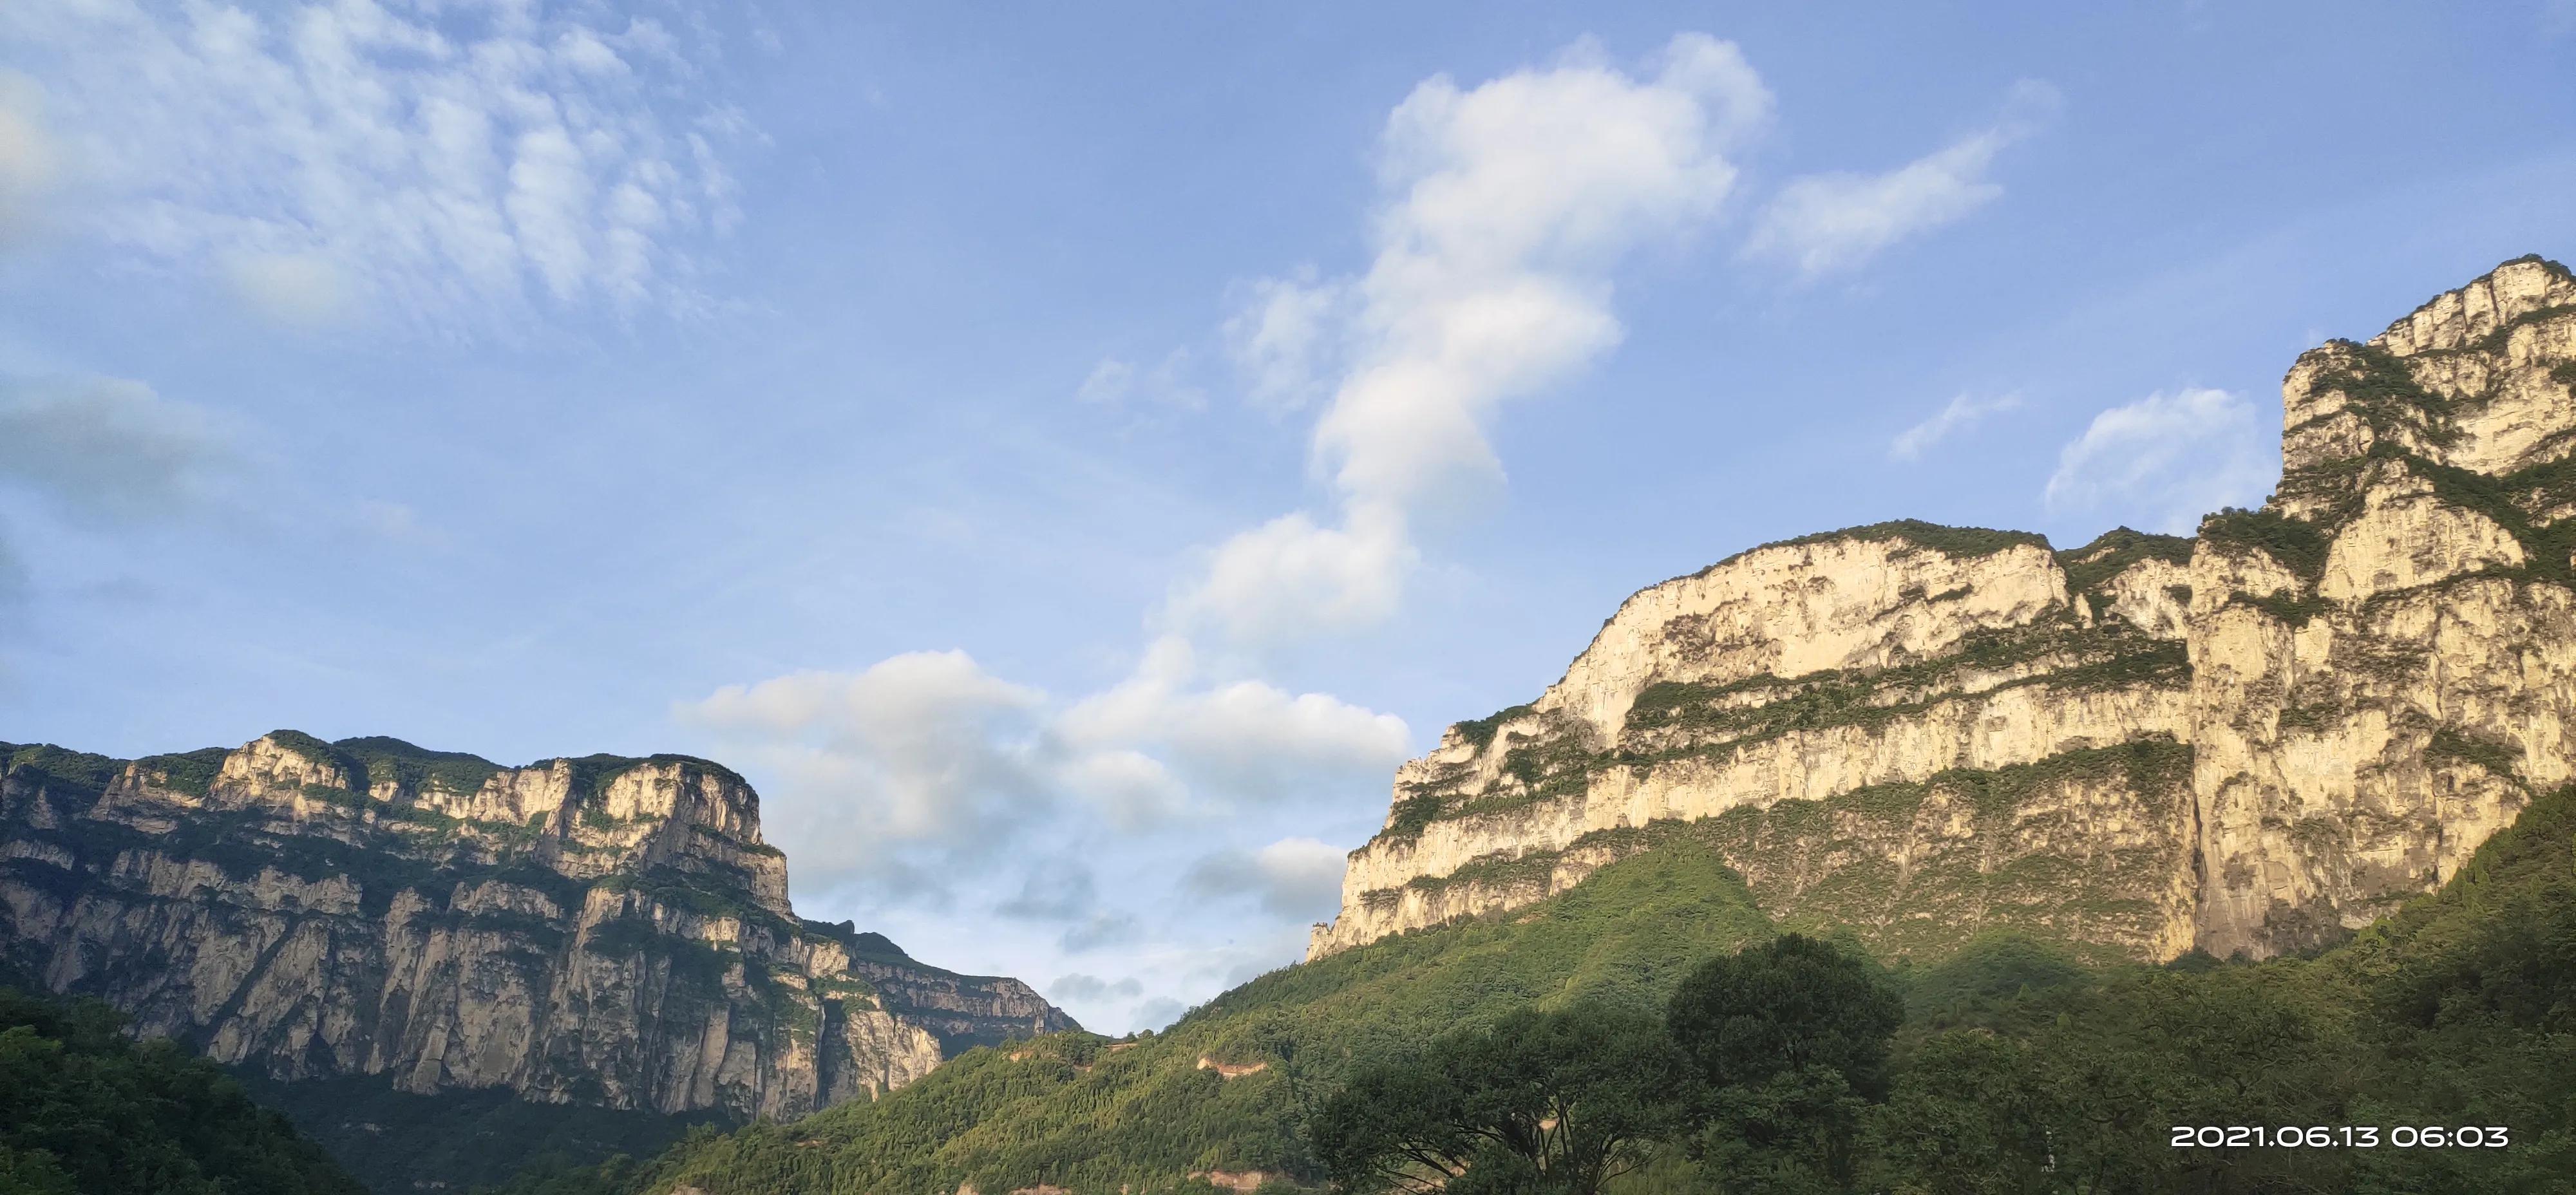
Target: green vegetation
{"points": [[702, 894], [190, 772], [1673, 720], [2460, 1010], [2017, 1069], [2547, 547], [592, 773], [2299, 545], [2451, 746], [416, 768], [1965, 543], [396, 1141], [1076, 1110], [1789, 1045], [2380, 390], [80, 770], [2089, 567], [1558, 1101], [1411, 815], [86, 1111], [2105, 657], [1480, 731], [1798, 856]]}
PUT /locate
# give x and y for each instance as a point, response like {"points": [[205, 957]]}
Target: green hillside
{"points": [[1078, 1111], [86, 1111], [2019, 1069]]}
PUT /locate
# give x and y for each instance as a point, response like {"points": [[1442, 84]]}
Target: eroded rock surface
{"points": [[2246, 741], [603, 930]]}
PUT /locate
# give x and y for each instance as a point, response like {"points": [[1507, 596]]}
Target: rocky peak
{"points": [[2498, 300], [602, 929], [1863, 597], [2247, 741], [2475, 380]]}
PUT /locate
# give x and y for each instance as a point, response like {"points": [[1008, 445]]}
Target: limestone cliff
{"points": [[603, 930], [2246, 741]]}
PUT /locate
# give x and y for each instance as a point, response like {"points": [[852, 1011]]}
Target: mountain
{"points": [[2250, 742], [2053, 790], [603, 932]]}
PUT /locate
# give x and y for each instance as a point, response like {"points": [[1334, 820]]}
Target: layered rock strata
{"points": [[2247, 742], [604, 930]]}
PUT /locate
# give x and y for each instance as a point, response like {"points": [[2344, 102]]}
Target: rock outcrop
{"points": [[603, 930], [2247, 742]]}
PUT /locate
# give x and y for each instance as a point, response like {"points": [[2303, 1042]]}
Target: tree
{"points": [[1542, 1102], [1788, 1042]]}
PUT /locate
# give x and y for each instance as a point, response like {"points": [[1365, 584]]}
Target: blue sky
{"points": [[1068, 456]]}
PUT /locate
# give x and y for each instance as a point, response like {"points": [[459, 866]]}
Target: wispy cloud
{"points": [[443, 165], [1504, 207], [1828, 223], [1963, 412], [1117, 382], [2165, 460]]}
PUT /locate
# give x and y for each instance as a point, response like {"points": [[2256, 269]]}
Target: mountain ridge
{"points": [[1793, 690], [602, 930]]}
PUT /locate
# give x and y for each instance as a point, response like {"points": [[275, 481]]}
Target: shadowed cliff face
{"points": [[2248, 741], [604, 930]]}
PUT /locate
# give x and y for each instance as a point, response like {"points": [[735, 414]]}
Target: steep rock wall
{"points": [[2318, 708], [603, 930]]}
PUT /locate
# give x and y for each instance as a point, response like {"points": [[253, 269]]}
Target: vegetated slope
{"points": [[395, 1141], [2019, 1068], [1163, 1112], [2018, 1072], [84, 1110]]}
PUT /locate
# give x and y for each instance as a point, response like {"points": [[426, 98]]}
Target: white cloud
{"points": [[28, 159], [924, 748], [1504, 208], [2163, 461], [925, 758], [1962, 413], [453, 166], [1289, 578], [1282, 337], [1243, 741], [1114, 382], [1298, 878], [107, 447], [1825, 223]]}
